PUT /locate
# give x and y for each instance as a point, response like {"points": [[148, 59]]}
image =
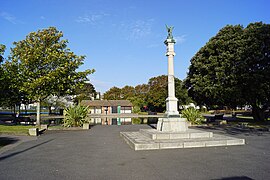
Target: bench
{"points": [[218, 116], [215, 117], [24, 120]]}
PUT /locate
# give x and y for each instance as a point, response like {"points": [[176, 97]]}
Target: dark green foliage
{"points": [[151, 95], [233, 69], [84, 92], [41, 65], [158, 92], [2, 50], [46, 66], [75, 116], [193, 115], [3, 88], [113, 94]]}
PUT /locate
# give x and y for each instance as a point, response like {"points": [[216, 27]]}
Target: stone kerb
{"points": [[189, 134]]}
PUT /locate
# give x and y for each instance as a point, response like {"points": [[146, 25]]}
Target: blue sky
{"points": [[123, 39]]}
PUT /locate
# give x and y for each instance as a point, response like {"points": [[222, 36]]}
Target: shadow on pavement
{"points": [[7, 140], [19, 152], [234, 130], [235, 178]]}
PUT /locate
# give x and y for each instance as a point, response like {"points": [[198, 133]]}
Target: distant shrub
{"points": [[136, 121], [194, 116], [136, 109], [75, 116]]}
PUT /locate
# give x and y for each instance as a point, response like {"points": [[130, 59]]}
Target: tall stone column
{"points": [[171, 101], [172, 122]]}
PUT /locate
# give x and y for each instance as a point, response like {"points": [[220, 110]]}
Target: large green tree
{"points": [[3, 88], [10, 96], [158, 92], [2, 50], [127, 92], [151, 95], [113, 93], [85, 92], [233, 69], [139, 101], [46, 66]]}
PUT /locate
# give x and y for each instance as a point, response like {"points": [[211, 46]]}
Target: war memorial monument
{"points": [[172, 130]]}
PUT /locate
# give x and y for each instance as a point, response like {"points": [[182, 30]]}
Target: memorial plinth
{"points": [[172, 124], [152, 139]]}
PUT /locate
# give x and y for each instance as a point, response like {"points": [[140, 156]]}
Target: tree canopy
{"points": [[45, 66], [3, 88], [113, 93], [86, 91], [2, 50], [233, 69], [151, 95]]}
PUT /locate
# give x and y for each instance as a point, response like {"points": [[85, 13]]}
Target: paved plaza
{"points": [[100, 153]]}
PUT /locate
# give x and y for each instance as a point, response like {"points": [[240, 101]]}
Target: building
{"points": [[107, 107]]}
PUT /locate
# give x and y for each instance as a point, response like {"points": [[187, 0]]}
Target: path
{"points": [[100, 153]]}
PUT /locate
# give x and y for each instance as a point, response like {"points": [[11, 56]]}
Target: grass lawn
{"points": [[15, 129], [248, 118]]}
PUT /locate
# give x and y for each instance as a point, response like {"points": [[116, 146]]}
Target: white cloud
{"points": [[180, 39], [91, 18], [42, 18], [154, 45], [9, 17], [138, 29]]}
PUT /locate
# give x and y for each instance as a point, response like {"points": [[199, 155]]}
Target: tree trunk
{"points": [[50, 110], [38, 113], [20, 108], [14, 110], [25, 109], [258, 113]]}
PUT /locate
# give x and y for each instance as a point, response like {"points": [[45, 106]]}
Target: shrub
{"points": [[194, 116], [136, 121], [75, 116], [136, 109]]}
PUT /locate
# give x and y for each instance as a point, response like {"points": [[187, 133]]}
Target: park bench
{"points": [[215, 117], [218, 116], [24, 120]]}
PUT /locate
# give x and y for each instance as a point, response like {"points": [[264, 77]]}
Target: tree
{"points": [[139, 101], [233, 69], [10, 96], [113, 93], [127, 92], [116, 93], [3, 88], [46, 66], [2, 50], [158, 92], [13, 96], [151, 95], [86, 91]]}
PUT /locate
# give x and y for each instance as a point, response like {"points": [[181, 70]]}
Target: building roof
{"points": [[106, 103]]}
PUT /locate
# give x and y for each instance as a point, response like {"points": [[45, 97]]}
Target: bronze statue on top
{"points": [[169, 29]]}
